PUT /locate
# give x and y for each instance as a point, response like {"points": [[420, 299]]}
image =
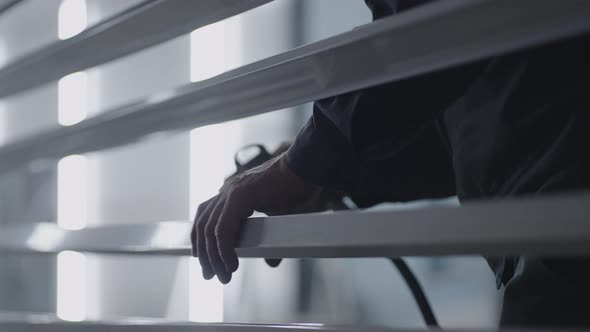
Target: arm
{"points": [[347, 137], [271, 188], [384, 142], [388, 130]]}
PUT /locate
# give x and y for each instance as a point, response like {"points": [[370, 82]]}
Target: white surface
{"points": [[72, 192], [72, 98], [71, 286], [72, 18]]}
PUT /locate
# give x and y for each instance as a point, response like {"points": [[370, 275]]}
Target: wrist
{"points": [[293, 177]]}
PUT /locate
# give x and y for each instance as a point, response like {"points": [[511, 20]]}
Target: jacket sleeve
{"points": [[321, 154], [385, 136], [383, 140]]}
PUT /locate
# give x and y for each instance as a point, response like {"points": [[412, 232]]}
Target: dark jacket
{"points": [[508, 125]]}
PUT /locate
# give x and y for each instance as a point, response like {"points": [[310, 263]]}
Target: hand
{"points": [[271, 188]]}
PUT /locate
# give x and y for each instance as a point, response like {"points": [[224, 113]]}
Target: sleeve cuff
{"points": [[322, 155]]}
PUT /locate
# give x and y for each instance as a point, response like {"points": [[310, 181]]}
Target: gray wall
{"points": [[28, 194], [141, 183]]}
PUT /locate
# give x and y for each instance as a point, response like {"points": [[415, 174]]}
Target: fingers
{"points": [[200, 210], [212, 246], [194, 238], [273, 262], [199, 244], [215, 231], [230, 220]]}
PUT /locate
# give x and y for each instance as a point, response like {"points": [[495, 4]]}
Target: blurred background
{"points": [[165, 176]]}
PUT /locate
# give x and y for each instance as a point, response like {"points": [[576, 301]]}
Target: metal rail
{"points": [[150, 325], [26, 322], [547, 225], [146, 24], [435, 36], [40, 323], [187, 327], [6, 5]]}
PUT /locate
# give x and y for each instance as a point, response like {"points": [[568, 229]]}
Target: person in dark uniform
{"points": [[516, 124]]}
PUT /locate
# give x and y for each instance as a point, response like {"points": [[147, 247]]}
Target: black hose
{"points": [[417, 291], [400, 264]]}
